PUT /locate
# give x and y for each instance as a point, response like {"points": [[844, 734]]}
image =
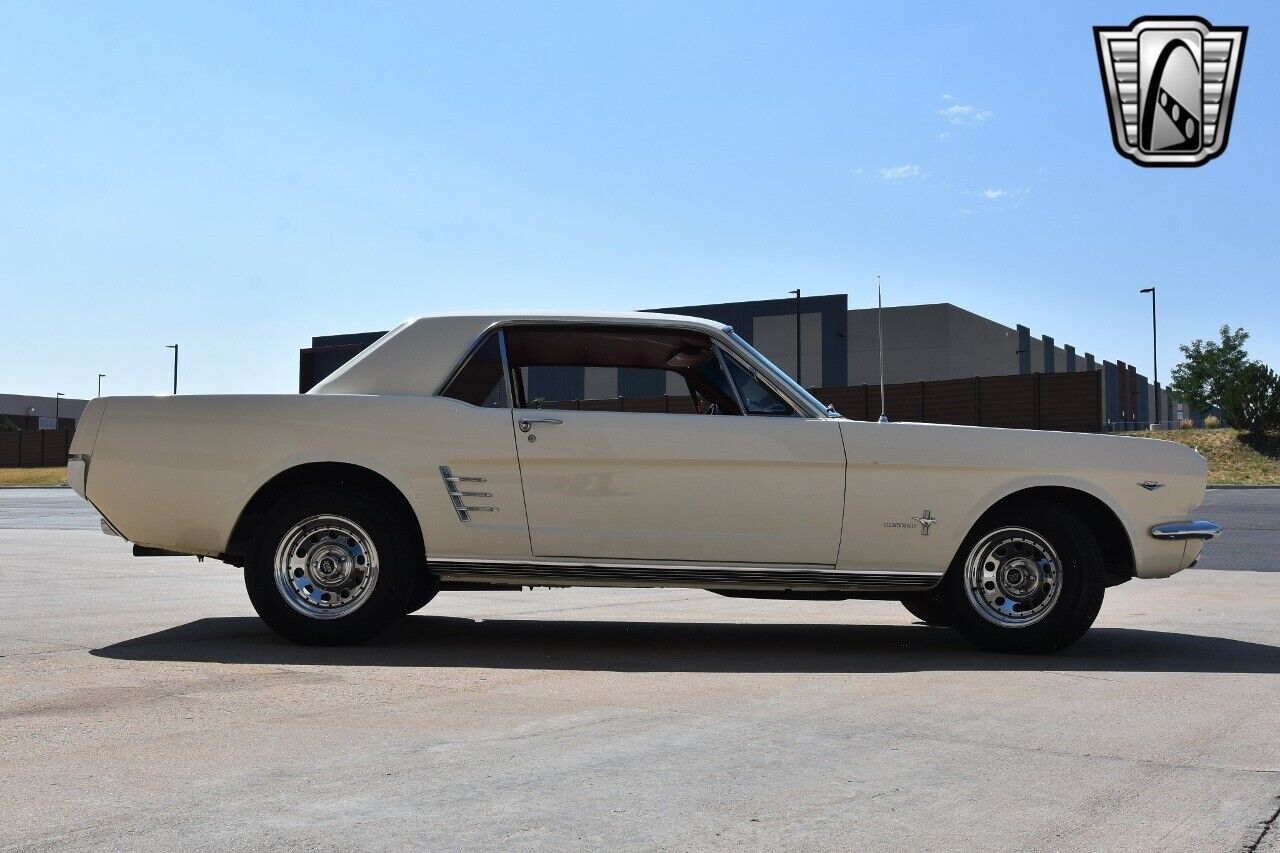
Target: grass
{"points": [[1234, 458], [55, 476]]}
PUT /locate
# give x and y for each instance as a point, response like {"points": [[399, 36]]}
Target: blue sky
{"points": [[237, 178]]}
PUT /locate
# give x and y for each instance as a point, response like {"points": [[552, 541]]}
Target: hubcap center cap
{"points": [[330, 566], [1018, 578]]}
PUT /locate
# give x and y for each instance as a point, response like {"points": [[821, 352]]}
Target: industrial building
{"points": [[28, 412], [838, 347]]}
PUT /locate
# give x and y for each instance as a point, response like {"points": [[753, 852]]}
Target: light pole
{"points": [[798, 373], [174, 347], [101, 376], [1155, 369], [57, 408]]}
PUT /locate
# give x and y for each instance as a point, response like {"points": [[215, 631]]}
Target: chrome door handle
{"points": [[526, 424]]}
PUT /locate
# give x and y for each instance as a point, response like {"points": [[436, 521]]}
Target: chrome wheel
{"points": [[326, 566], [1012, 577]]}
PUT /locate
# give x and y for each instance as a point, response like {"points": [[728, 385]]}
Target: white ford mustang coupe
{"points": [[456, 453]]}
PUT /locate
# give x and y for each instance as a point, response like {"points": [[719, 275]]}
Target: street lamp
{"points": [[798, 373], [1155, 369], [57, 408], [101, 376], [174, 347]]}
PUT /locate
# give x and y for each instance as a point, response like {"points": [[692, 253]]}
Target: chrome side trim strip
{"points": [[1186, 530], [674, 575]]}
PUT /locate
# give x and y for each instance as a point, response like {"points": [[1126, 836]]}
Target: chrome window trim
{"points": [[506, 370], [720, 335], [769, 376], [755, 373], [728, 377]]}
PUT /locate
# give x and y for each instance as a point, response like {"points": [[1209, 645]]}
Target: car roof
{"points": [[417, 356], [646, 318]]}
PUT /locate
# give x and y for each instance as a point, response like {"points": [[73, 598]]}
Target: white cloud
{"points": [[945, 96], [1015, 194], [902, 173], [858, 171], [965, 114]]}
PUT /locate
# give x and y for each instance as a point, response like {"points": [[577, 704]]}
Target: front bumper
{"points": [[1182, 530]]}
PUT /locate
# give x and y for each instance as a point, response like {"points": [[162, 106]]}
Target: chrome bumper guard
{"points": [[1186, 530]]}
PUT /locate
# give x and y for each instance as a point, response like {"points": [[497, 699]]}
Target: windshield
{"points": [[776, 373]]}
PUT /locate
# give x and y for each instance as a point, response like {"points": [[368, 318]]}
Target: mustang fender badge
{"points": [[924, 521]]}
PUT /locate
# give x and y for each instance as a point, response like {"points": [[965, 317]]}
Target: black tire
{"points": [[399, 561], [929, 608], [1067, 613], [425, 588]]}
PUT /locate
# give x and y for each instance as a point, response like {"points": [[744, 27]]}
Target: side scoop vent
{"points": [[454, 487]]}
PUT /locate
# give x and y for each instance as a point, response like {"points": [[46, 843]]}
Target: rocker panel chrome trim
{"points": [[806, 578]]}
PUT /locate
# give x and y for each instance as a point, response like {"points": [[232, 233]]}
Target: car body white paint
{"points": [[618, 488]]}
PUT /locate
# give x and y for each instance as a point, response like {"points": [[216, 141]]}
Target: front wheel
{"points": [[331, 567], [929, 607], [1027, 580]]}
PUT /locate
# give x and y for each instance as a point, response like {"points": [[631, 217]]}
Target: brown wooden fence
{"points": [[35, 448], [1071, 402]]}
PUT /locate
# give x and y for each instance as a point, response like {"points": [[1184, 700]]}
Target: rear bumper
{"points": [[1181, 530], [77, 468]]}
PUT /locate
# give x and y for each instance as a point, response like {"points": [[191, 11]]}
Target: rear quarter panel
{"points": [[176, 472]]}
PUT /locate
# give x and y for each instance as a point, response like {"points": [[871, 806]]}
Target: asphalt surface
{"points": [[145, 707], [1250, 539]]}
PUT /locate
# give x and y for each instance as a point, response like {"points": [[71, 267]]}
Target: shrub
{"points": [[1212, 422], [1252, 401], [1186, 423]]}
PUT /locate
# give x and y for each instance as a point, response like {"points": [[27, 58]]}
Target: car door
{"points": [[691, 478]]}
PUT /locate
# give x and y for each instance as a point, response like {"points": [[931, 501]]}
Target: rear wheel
{"points": [[331, 566], [1028, 580]]}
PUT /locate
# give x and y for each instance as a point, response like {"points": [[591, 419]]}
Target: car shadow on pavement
{"points": [[435, 641]]}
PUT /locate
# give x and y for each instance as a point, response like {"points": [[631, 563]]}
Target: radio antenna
{"points": [[884, 419]]}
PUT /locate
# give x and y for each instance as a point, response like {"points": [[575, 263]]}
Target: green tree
{"points": [[1252, 401], [7, 425], [1208, 368]]}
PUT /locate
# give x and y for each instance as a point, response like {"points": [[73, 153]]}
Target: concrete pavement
{"points": [[146, 707]]}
